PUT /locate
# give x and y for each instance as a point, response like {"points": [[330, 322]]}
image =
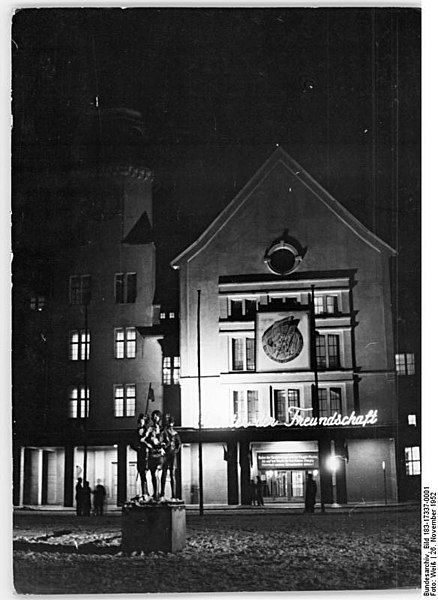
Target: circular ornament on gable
{"points": [[283, 258]]}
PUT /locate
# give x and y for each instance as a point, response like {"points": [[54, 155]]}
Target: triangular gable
{"points": [[141, 233], [280, 156]]}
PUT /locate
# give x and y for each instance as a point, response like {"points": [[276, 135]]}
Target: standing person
{"points": [[172, 446], [78, 497], [259, 491], [154, 442], [86, 499], [310, 497], [142, 453], [99, 494], [252, 492]]}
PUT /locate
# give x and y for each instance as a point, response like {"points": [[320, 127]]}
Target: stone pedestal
{"points": [[154, 527]]}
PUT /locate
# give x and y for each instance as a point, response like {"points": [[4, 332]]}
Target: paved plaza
{"points": [[265, 549]]}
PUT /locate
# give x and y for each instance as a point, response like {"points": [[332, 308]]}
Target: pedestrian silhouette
{"points": [[310, 497]]}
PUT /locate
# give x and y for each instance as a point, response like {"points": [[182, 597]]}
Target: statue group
{"points": [[157, 446]]}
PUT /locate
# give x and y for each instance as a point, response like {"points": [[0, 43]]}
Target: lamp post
{"points": [[332, 465], [201, 484], [384, 481]]}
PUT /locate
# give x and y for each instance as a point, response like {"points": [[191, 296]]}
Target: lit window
{"points": [[253, 406], [124, 400], [171, 315], [125, 288], [125, 342], [242, 354], [171, 370], [78, 404], [284, 402], [79, 348], [326, 305], [37, 303], [412, 460], [246, 406], [330, 401], [412, 420], [327, 351], [405, 363], [80, 289], [162, 315]]}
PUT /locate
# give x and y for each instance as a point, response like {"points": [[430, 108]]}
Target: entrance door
{"points": [[132, 479], [113, 488], [285, 486], [297, 478]]}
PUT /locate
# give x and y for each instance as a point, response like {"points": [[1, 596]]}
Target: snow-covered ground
{"points": [[63, 554]]}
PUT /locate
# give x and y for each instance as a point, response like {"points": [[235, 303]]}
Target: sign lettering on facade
{"points": [[286, 460], [299, 419]]}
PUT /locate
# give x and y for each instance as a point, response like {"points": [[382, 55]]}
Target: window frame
{"points": [[79, 350], [125, 292], [248, 351], [124, 404], [123, 345], [288, 392], [412, 460], [328, 361], [37, 302], [80, 404], [330, 399], [321, 304], [248, 405], [171, 372], [81, 294], [405, 363]]}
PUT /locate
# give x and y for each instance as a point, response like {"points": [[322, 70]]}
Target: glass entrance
{"points": [[285, 485]]}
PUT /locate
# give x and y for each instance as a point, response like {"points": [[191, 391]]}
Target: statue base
{"points": [[154, 526]]}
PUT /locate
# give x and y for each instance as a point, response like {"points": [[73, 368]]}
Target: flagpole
{"points": [[147, 400], [201, 490], [315, 390]]}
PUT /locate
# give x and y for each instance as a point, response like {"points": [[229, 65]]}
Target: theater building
{"points": [[287, 351]]}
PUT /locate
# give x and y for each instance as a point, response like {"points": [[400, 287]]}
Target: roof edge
{"points": [[280, 155]]}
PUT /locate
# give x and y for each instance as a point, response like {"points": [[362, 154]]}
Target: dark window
{"points": [[37, 303], [236, 308], [80, 289], [333, 351], [243, 354], [330, 401], [284, 403], [327, 351], [250, 308], [125, 288], [250, 354], [237, 350]]}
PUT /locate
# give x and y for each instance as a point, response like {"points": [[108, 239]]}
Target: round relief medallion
{"points": [[283, 341]]}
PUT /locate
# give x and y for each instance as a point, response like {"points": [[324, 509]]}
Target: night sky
{"points": [[219, 88]]}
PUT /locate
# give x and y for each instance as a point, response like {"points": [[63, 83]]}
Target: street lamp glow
{"points": [[332, 463], [383, 465]]}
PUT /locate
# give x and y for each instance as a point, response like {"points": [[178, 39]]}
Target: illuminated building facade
{"points": [[286, 297], [88, 337]]}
